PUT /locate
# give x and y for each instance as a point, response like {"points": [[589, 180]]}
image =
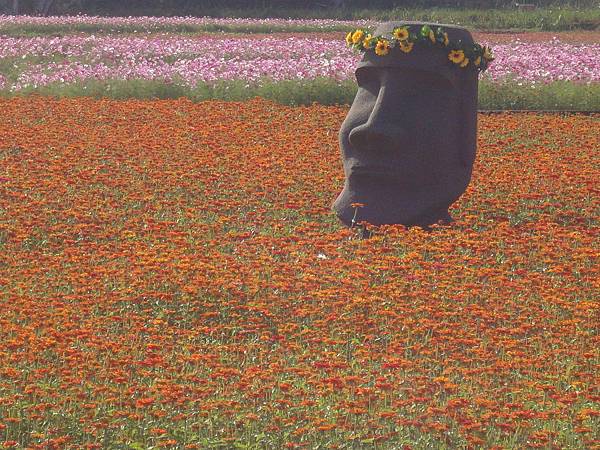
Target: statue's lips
{"points": [[373, 171], [399, 177]]}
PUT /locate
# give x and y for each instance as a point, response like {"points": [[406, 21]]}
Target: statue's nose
{"points": [[384, 129], [374, 135]]}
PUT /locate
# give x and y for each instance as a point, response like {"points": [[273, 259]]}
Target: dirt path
{"points": [[574, 37], [588, 37], [500, 37]]}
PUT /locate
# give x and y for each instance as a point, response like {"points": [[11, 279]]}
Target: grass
{"points": [[558, 95], [542, 19]]}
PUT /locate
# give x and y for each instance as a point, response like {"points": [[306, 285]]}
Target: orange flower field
{"points": [[171, 275]]}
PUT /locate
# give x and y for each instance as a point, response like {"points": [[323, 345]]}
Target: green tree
{"points": [[33, 7]]}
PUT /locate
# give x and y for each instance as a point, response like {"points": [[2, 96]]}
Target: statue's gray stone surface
{"points": [[408, 143]]}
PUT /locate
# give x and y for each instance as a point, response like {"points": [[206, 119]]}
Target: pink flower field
{"points": [[188, 60]]}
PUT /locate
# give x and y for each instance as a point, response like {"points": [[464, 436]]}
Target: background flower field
{"points": [[172, 276], [528, 73], [210, 58]]}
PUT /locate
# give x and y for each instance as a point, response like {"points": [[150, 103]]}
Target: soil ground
{"points": [[574, 37]]}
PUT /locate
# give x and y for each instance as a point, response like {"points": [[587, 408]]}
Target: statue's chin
{"points": [[391, 209]]}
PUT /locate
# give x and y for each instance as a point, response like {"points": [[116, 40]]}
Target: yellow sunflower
{"points": [[349, 38], [383, 47], [401, 33], [456, 56], [406, 47], [357, 36], [368, 41], [431, 36], [464, 63], [487, 54]]}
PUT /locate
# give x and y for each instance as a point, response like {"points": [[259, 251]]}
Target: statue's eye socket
{"points": [[367, 79]]}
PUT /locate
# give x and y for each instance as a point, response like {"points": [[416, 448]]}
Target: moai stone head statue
{"points": [[408, 143]]}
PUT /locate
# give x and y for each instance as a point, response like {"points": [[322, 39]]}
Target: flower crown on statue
{"points": [[461, 54]]}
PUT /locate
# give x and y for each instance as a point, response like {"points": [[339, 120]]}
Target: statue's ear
{"points": [[468, 111]]}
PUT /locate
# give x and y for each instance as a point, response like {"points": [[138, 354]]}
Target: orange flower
{"points": [[144, 402], [158, 431]]}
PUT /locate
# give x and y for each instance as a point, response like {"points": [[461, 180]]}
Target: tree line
{"points": [[202, 7]]}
